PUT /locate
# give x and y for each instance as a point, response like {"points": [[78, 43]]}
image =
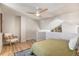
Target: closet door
{"points": [[0, 22]]}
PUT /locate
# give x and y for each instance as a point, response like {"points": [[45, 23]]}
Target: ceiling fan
{"points": [[38, 11]]}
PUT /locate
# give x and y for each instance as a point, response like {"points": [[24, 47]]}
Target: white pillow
{"points": [[73, 42]]}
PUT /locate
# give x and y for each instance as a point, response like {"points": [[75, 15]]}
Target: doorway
{"points": [[18, 27]]}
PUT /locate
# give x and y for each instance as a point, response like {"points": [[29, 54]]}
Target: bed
{"points": [[52, 47]]}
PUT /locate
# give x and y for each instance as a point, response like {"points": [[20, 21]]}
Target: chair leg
{"points": [[10, 43]]}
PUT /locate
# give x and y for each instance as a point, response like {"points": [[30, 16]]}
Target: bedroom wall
{"points": [[69, 28], [72, 17], [8, 23], [59, 35], [71, 20], [0, 10], [50, 24], [1, 46], [28, 28], [18, 26], [56, 35]]}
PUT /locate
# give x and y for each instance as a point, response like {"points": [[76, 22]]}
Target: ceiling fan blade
{"points": [[43, 10], [45, 18], [30, 12]]}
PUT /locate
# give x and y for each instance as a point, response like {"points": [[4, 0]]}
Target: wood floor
{"points": [[10, 50]]}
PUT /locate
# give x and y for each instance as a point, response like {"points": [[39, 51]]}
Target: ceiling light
{"points": [[37, 13]]}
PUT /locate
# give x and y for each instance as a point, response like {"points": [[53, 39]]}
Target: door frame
{"points": [[1, 21]]}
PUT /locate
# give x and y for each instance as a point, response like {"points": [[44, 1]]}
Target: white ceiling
{"points": [[54, 9], [32, 6]]}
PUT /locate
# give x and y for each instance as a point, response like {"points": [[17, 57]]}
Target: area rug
{"points": [[26, 52]]}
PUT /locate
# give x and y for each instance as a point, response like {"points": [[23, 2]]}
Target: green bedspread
{"points": [[52, 47]]}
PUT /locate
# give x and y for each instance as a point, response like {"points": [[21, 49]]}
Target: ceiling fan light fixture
{"points": [[37, 13]]}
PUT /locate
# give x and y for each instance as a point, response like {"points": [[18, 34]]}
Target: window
{"points": [[57, 29]]}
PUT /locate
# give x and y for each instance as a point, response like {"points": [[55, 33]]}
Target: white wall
{"points": [[1, 42], [28, 28], [8, 23], [69, 28], [18, 26], [50, 24], [72, 18], [0, 10], [70, 21], [55, 35], [59, 35]]}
